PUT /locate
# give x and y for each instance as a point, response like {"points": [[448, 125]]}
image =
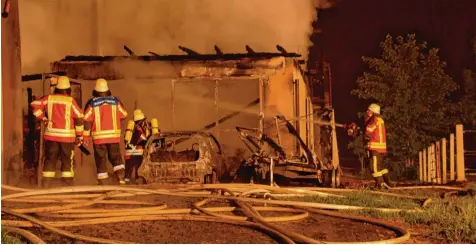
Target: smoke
{"points": [[51, 29]]}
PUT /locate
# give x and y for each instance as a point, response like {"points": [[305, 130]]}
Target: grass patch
{"points": [[452, 220], [8, 238]]}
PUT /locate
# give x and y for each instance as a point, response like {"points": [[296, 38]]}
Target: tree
{"points": [[409, 83], [468, 100], [358, 147]]}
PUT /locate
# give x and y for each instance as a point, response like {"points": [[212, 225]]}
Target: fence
{"points": [[433, 160]]}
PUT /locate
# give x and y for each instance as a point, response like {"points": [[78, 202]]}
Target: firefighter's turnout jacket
{"points": [[63, 115], [375, 131], [141, 132], [105, 114]]}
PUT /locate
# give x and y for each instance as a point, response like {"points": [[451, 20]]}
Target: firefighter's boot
{"points": [[120, 176], [68, 181], [46, 182], [386, 179], [378, 183], [102, 181]]}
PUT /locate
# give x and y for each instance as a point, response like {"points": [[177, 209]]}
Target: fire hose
{"points": [[300, 211]]}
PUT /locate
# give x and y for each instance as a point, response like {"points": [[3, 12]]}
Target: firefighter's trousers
{"points": [[58, 150], [132, 165], [376, 164], [102, 152]]}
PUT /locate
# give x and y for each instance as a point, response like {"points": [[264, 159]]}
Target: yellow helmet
{"points": [[63, 83], [138, 115], [101, 85], [374, 108], [53, 81]]}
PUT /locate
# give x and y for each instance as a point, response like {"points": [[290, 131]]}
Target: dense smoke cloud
{"points": [[51, 29]]}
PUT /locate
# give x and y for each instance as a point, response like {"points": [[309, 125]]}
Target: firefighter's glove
{"points": [[79, 140], [86, 141], [45, 121]]}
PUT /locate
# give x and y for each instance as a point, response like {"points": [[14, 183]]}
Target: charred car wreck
{"points": [[269, 164], [186, 157]]}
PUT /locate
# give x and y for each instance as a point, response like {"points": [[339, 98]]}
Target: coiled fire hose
{"points": [[159, 212]]}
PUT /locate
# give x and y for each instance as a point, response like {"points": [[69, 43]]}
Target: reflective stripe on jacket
{"points": [[63, 114], [140, 135], [375, 130], [105, 115], [135, 151]]}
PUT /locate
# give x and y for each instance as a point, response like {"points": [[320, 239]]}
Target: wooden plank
{"points": [[420, 166], [452, 157], [425, 166], [460, 175], [443, 160], [438, 162], [430, 162]]}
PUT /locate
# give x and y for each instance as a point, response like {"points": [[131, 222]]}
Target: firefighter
{"points": [[64, 125], [136, 136], [377, 145], [103, 116]]}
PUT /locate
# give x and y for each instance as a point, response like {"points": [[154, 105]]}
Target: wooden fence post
{"points": [[460, 175], [420, 166], [443, 159], [425, 166], [438, 162], [452, 157], [433, 159], [430, 164]]}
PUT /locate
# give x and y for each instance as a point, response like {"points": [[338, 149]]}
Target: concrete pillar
{"points": [[12, 133]]}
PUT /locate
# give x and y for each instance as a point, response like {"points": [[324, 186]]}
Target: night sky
{"points": [[355, 28]]}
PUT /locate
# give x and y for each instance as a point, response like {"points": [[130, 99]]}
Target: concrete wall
{"points": [[12, 132]]}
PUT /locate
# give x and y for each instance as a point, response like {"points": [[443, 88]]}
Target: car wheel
{"points": [[214, 177]]}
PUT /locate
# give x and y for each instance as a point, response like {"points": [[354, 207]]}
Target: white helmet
{"points": [[374, 108]]}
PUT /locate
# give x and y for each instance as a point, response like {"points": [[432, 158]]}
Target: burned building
{"points": [[213, 92]]}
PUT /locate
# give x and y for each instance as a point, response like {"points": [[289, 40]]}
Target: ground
{"points": [[319, 227]]}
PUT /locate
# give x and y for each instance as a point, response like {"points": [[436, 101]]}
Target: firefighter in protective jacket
{"points": [[64, 125], [377, 145], [102, 116], [135, 139]]}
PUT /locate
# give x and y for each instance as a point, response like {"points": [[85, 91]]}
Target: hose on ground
{"points": [[268, 231], [25, 234], [160, 213], [121, 188], [60, 231], [403, 234], [68, 206]]}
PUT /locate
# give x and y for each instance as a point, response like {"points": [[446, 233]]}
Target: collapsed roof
{"points": [[191, 64]]}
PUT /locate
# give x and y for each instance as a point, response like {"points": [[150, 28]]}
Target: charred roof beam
{"points": [[189, 51], [249, 50], [218, 50], [281, 49], [129, 51]]}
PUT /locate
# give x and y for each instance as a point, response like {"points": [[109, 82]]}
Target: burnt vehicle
{"points": [[269, 162], [184, 156]]}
